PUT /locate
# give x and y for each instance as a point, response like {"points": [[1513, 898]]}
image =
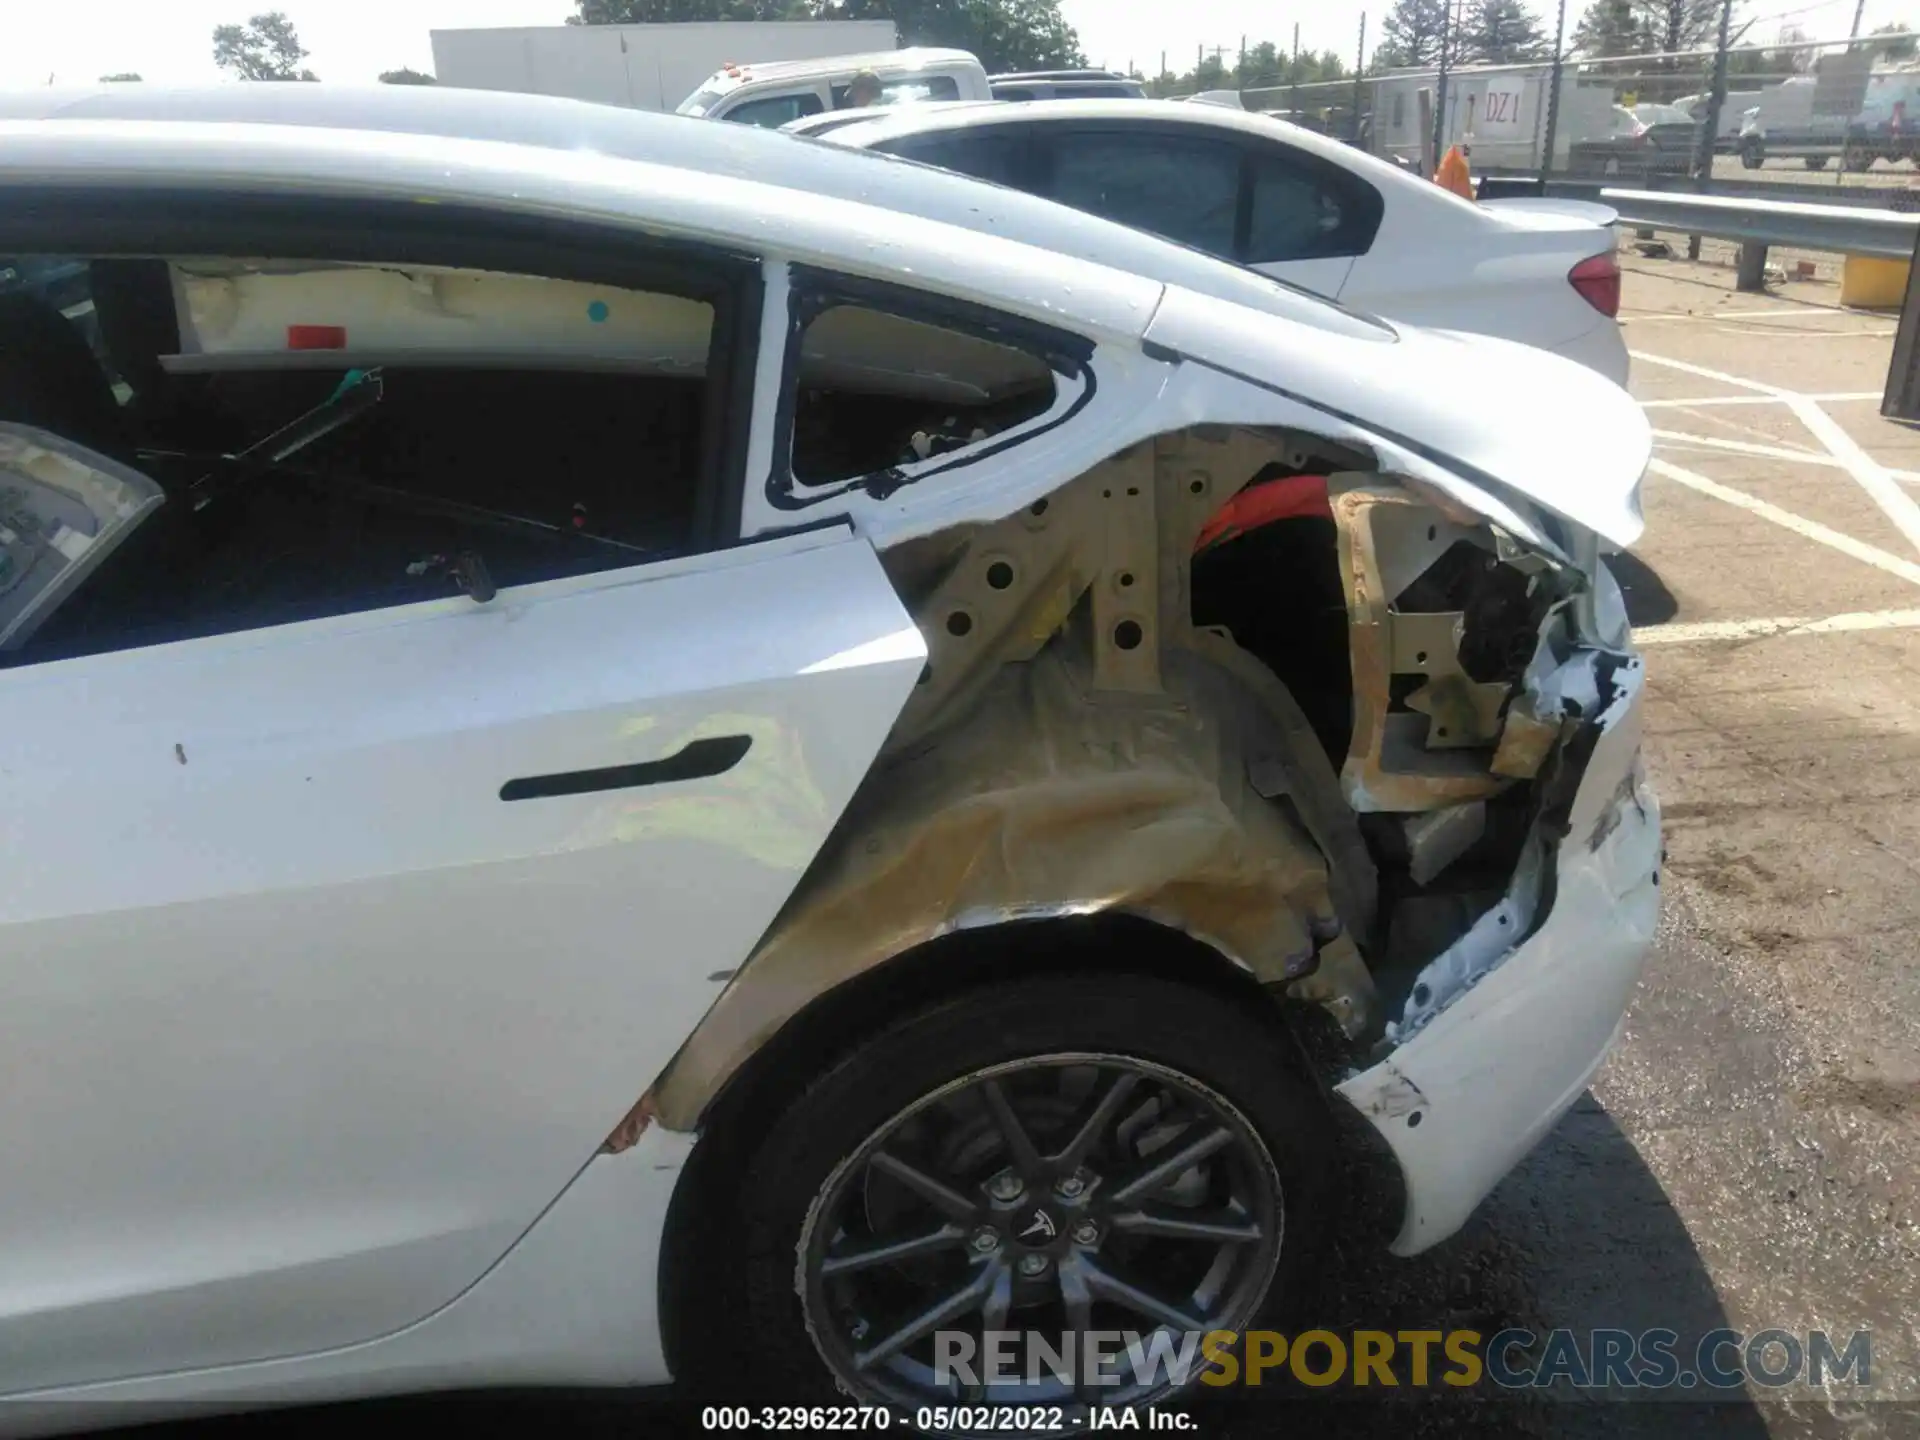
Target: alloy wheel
{"points": [[1049, 1197]]}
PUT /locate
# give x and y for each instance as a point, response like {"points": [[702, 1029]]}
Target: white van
{"points": [[775, 94]]}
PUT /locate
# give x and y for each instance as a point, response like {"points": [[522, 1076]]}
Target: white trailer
{"points": [[643, 67], [1499, 112]]}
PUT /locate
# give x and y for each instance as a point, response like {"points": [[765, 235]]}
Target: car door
{"points": [[332, 951]]}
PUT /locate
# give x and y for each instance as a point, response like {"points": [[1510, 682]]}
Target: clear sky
{"points": [[80, 40]]}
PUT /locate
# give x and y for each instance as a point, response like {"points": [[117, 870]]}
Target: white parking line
{"points": [[1755, 386], [1881, 488], [1708, 400], [1768, 452], [1729, 315], [1707, 630], [1799, 524], [1869, 472]]}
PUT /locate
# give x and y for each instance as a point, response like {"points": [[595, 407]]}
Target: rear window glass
{"points": [[992, 155], [1305, 210], [1185, 189], [775, 111], [908, 90]]}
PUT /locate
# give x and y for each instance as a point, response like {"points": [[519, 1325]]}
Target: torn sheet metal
{"points": [[1076, 747], [1431, 753], [1578, 685], [1045, 802], [1494, 1072]]}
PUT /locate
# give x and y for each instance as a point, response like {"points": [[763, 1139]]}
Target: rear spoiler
{"points": [[1587, 210]]}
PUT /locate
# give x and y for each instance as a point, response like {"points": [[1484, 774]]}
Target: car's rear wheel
{"points": [[1043, 1160]]}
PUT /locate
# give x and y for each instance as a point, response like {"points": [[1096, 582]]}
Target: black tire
{"points": [[1816, 162], [1858, 159], [759, 1345], [1752, 156]]}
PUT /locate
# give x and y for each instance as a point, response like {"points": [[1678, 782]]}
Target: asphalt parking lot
{"points": [[1751, 1156]]}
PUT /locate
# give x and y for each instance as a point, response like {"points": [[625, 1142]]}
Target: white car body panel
{"points": [[1495, 1071], [1579, 447], [1437, 260], [1327, 277], [1572, 436], [571, 1304], [367, 1202], [288, 850]]}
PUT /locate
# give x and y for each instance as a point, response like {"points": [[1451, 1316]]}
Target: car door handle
{"points": [[697, 760]]}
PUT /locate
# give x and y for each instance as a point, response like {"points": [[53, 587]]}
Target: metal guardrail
{"points": [[1563, 187], [1847, 229]]}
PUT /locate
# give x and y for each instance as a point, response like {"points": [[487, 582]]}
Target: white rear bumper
{"points": [[1463, 1100], [1602, 349]]}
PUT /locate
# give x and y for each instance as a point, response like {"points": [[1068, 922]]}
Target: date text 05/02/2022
{"points": [[998, 1420]]}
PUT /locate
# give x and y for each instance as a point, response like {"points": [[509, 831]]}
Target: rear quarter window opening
{"points": [[333, 437], [879, 391]]}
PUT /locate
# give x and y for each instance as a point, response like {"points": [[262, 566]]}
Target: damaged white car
{"points": [[666, 751]]}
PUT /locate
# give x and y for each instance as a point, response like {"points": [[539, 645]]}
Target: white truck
{"points": [[643, 67]]}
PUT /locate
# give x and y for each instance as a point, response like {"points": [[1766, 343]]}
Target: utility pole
{"points": [[1359, 78], [1710, 131], [1440, 89], [1859, 15], [1554, 78], [1296, 72]]}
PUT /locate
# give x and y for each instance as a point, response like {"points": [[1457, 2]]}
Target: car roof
{"points": [[881, 62], [836, 191], [916, 120]]}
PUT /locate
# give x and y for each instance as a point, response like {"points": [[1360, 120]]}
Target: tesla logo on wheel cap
{"points": [[1041, 1224]]}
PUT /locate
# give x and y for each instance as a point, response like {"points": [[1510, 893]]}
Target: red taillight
{"points": [[1598, 281]]}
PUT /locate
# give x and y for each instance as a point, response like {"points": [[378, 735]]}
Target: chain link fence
{"points": [[1835, 118]]}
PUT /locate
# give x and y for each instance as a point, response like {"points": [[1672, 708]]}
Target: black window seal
{"points": [[814, 291], [167, 220]]}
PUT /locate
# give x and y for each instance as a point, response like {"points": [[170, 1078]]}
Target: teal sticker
{"points": [[597, 312]]}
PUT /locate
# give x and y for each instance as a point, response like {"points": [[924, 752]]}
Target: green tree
{"points": [[265, 48], [1005, 34], [1644, 27], [1902, 47], [1499, 32], [406, 76], [1682, 24], [1411, 34], [113, 79], [1611, 27]]}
